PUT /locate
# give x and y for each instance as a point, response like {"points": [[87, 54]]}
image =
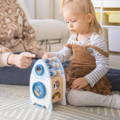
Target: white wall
{"points": [[48, 9], [30, 7], [44, 9], [57, 13]]}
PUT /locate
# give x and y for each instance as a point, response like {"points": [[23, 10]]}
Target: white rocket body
{"points": [[47, 83]]}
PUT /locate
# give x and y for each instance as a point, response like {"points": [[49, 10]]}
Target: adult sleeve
{"points": [[30, 43], [4, 54]]}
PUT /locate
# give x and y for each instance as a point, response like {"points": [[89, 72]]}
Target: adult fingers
{"points": [[28, 55], [25, 63]]}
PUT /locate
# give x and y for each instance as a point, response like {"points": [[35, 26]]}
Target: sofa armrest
{"points": [[50, 30]]}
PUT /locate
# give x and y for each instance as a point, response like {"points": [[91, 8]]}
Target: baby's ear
{"points": [[89, 17]]}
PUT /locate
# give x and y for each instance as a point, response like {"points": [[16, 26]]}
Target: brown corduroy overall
{"points": [[81, 64]]}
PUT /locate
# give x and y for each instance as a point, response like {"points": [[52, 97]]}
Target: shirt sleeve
{"points": [[4, 54], [28, 33], [102, 63]]}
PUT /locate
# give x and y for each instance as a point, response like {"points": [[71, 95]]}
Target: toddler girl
{"points": [[81, 22]]}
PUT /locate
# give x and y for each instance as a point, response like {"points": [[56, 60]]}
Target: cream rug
{"points": [[15, 105]]}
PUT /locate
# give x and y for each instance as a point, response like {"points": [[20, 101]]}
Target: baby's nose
{"points": [[70, 25]]}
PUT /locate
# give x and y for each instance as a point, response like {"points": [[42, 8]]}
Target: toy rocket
{"points": [[47, 83]]}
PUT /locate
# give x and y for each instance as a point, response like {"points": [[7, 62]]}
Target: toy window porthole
{"points": [[56, 84], [39, 69], [39, 90]]}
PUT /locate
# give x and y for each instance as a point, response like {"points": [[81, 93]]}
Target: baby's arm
{"points": [[102, 65], [64, 54]]}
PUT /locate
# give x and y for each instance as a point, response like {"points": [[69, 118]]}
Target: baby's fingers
{"points": [[45, 56], [75, 84]]}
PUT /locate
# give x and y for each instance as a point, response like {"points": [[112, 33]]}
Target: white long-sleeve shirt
{"points": [[102, 65]]}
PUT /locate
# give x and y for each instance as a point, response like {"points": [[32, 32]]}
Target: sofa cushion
{"points": [[49, 29]]}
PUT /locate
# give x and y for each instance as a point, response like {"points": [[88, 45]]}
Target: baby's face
{"points": [[76, 21]]}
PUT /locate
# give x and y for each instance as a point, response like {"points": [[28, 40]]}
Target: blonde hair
{"points": [[86, 7]]}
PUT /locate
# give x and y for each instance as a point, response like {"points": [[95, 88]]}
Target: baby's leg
{"points": [[87, 98]]}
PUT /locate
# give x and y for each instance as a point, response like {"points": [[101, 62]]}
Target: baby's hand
{"points": [[79, 83], [46, 55], [22, 60]]}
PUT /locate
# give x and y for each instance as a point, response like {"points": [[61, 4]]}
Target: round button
{"points": [[39, 69]]}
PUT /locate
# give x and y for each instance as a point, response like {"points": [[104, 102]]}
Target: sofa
{"points": [[50, 33]]}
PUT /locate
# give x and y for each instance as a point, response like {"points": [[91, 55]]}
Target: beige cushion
{"points": [[49, 29]]}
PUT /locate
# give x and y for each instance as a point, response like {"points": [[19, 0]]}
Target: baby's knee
{"points": [[73, 97]]}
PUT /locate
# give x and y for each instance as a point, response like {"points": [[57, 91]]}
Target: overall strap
{"points": [[102, 52], [69, 46]]}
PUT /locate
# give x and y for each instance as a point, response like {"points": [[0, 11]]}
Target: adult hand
{"points": [[79, 83], [22, 60]]}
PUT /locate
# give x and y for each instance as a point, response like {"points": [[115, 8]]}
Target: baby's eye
{"points": [[67, 22], [73, 21]]}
